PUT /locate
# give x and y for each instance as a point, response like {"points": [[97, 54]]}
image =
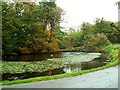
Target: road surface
{"points": [[106, 78]]}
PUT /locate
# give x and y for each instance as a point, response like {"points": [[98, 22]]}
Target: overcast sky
{"points": [[79, 11]]}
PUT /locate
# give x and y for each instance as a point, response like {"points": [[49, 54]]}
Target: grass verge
{"points": [[113, 58]]}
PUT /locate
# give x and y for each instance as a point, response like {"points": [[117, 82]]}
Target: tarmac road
{"points": [[106, 78]]}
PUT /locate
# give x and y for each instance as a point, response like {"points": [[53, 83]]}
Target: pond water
{"points": [[36, 57], [69, 62]]}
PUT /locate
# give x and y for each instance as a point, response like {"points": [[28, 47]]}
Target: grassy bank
{"points": [[113, 55]]}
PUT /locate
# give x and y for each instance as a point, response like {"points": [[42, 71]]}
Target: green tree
{"points": [[110, 29], [27, 27]]}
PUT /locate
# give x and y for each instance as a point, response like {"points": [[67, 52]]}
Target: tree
{"points": [[51, 15], [28, 27], [110, 29]]}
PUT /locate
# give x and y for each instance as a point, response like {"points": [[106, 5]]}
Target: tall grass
{"points": [[113, 52]]}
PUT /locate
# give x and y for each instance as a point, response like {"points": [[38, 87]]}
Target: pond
{"points": [[49, 64], [35, 57]]}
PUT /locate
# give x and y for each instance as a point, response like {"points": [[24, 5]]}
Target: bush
{"points": [[95, 42]]}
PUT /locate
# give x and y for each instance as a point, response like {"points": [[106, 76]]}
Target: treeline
{"points": [[94, 36], [29, 27]]}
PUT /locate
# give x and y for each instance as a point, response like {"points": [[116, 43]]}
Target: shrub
{"points": [[95, 42]]}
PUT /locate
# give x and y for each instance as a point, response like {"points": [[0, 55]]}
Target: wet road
{"points": [[106, 78]]}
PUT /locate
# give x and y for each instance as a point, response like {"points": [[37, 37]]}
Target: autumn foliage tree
{"points": [[29, 27]]}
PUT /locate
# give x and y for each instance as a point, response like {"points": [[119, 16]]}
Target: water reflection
{"points": [[66, 69], [97, 62], [40, 57], [72, 68], [10, 77], [35, 57]]}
